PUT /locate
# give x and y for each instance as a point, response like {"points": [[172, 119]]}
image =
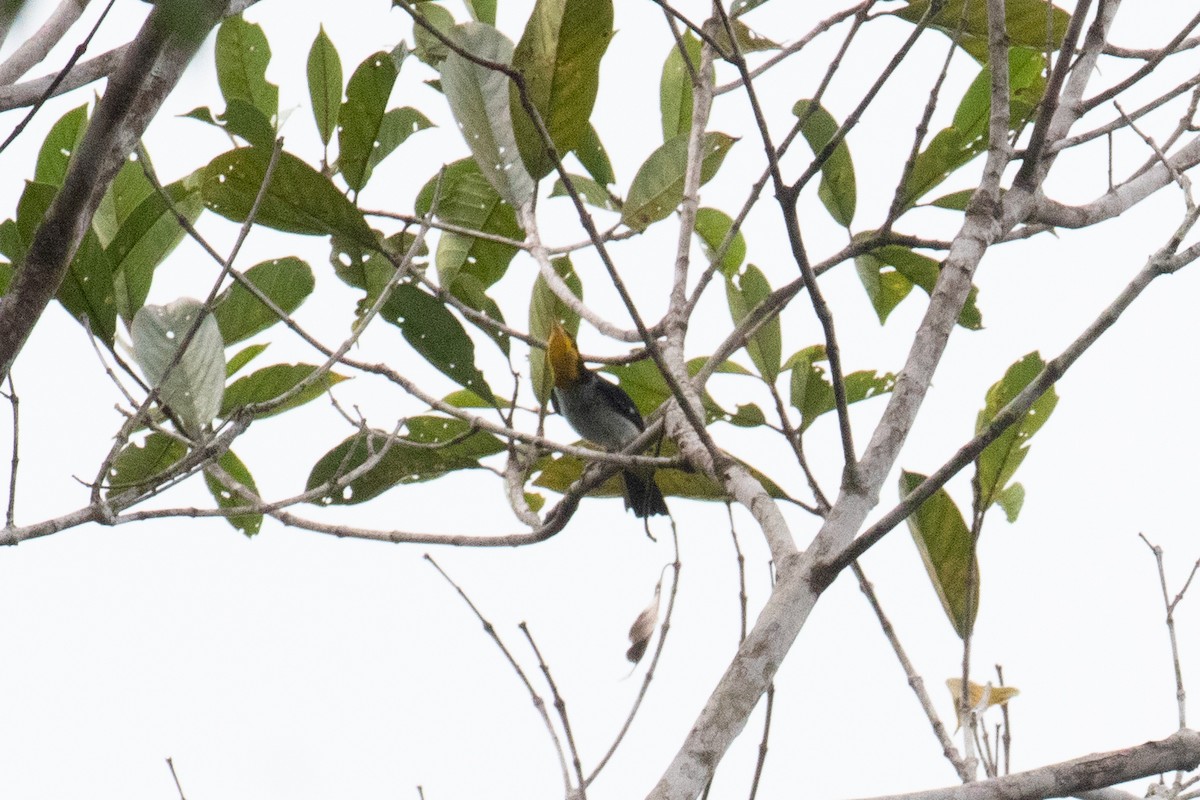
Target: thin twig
{"points": [[538, 702], [15, 403], [658, 650], [560, 706], [174, 777]]}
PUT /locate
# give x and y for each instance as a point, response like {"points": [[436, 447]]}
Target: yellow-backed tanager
{"points": [[601, 412]]}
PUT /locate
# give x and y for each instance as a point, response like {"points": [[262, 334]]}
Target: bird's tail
{"points": [[642, 495]]}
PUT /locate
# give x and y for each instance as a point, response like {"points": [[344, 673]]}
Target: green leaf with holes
{"points": [[227, 495], [432, 447], [464, 198], [59, 145], [242, 56], [435, 333], [298, 200], [268, 383], [138, 465], [285, 281], [192, 385], [478, 98]]}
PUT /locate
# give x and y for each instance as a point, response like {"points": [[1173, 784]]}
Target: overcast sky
{"points": [[301, 666]]}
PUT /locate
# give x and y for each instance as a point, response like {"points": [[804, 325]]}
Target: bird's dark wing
{"points": [[620, 400]]}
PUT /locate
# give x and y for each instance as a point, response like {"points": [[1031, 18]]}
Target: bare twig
{"points": [[560, 706], [915, 681], [175, 777], [538, 702], [15, 403]]}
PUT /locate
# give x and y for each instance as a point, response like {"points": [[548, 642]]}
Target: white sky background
{"points": [[297, 665]]}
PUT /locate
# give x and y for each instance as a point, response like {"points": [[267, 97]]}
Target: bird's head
{"points": [[565, 362]]}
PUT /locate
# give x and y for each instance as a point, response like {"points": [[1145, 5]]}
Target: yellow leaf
{"points": [[981, 697]]}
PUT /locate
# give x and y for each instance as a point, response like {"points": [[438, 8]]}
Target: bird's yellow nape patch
{"points": [[564, 357]]}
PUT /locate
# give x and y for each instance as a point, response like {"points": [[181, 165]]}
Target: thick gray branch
{"points": [[35, 48], [1179, 751]]}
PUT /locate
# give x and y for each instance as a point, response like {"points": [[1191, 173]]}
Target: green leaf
{"points": [[128, 190], [59, 145], [558, 473], [955, 201], [838, 188], [1027, 23], [465, 398], [998, 462], [713, 227], [362, 115], [466, 199], [945, 545], [324, 84], [239, 314], [194, 386], [242, 55], [646, 386], [228, 497], [966, 138], [589, 190], [559, 55], [1011, 499], [428, 47], [739, 7], [137, 465], [88, 290], [299, 199], [268, 383], [435, 333], [395, 128], [144, 240], [242, 358], [657, 189], [594, 158], [675, 87], [478, 97], [470, 290], [482, 10], [241, 118], [545, 309], [812, 394], [434, 446], [744, 290], [371, 270], [886, 288]]}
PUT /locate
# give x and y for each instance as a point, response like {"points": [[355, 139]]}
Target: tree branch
{"points": [[150, 69], [1179, 751]]}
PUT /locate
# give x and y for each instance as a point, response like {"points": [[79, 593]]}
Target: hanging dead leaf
{"points": [[643, 628]]}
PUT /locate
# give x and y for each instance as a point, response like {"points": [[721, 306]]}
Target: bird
{"points": [[602, 413]]}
